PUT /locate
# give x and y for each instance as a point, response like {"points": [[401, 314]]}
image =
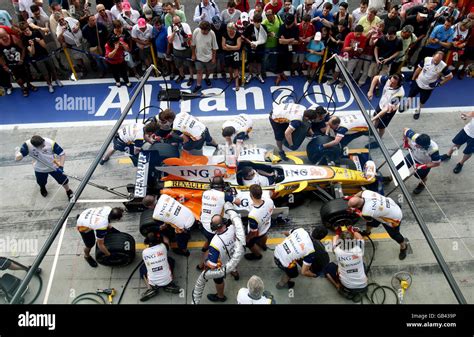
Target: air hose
{"points": [[91, 297]]}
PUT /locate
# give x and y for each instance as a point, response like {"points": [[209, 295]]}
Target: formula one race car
{"points": [[163, 170]]}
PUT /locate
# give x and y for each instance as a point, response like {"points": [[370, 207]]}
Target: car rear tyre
{"points": [[334, 214], [147, 223]]}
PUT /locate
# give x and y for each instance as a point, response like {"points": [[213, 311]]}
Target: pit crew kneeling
{"points": [[170, 212], [239, 128], [221, 250], [157, 269], [285, 120], [376, 209], [130, 139], [348, 275], [297, 246], [97, 220], [194, 134]]}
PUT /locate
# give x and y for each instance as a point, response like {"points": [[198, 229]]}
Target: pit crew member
{"points": [[47, 151], [431, 73], [376, 209], [94, 224], [130, 139], [213, 201], [193, 133], [318, 126], [349, 273], [157, 269], [170, 212], [423, 155], [239, 128], [389, 104], [259, 222], [344, 129], [465, 136], [285, 120], [220, 252], [298, 245]]}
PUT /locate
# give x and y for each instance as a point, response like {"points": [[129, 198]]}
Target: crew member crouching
{"points": [[130, 139], [97, 220], [297, 246], [348, 275], [193, 133], [239, 128], [157, 269], [170, 212], [377, 209], [288, 120]]}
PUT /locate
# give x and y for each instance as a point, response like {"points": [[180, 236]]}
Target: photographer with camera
{"points": [[179, 35], [115, 56], [254, 293]]}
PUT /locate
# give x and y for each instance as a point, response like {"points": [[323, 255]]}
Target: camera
{"points": [[114, 39]]}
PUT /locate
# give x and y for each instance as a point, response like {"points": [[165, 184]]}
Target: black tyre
{"points": [[147, 224], [121, 246], [334, 214], [329, 154], [346, 163]]}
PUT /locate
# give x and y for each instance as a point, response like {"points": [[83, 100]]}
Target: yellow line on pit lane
{"points": [[126, 160], [273, 241]]}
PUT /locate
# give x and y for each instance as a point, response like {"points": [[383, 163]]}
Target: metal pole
{"points": [[80, 188], [419, 218]]}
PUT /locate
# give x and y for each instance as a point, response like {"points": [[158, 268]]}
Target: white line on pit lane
{"points": [[202, 118]]}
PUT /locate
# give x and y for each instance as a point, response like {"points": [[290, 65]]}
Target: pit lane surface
{"points": [[25, 214]]}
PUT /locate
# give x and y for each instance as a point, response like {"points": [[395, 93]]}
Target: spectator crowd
{"points": [[124, 37]]}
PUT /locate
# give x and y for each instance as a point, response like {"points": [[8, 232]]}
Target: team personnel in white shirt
{"points": [[349, 272], [285, 119], [130, 139], [170, 213], [157, 269], [193, 132], [465, 136], [376, 209], [297, 246], [238, 127], [431, 73], [259, 222], [254, 293], [390, 101], [47, 151], [344, 129], [213, 201], [423, 155], [93, 224], [221, 250]]}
